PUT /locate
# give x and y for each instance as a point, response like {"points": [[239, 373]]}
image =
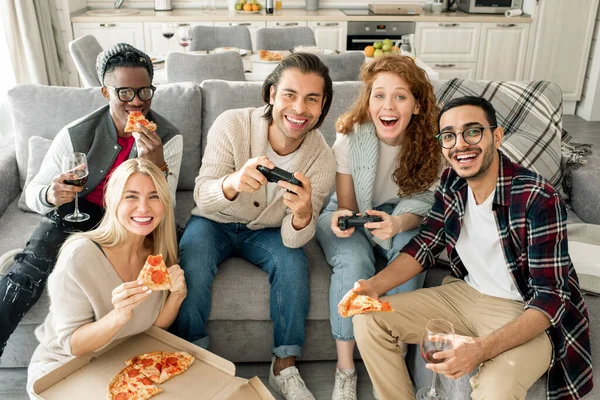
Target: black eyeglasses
{"points": [[471, 135], [127, 94]]}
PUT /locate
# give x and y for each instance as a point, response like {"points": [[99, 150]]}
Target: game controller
{"points": [[350, 221], [277, 174]]}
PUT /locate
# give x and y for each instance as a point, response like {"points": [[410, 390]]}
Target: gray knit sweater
{"points": [[239, 135]]}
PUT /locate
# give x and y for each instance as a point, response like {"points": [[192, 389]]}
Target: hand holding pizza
{"points": [[126, 297], [248, 178], [299, 200], [59, 192], [179, 288], [365, 287], [149, 145], [335, 227]]}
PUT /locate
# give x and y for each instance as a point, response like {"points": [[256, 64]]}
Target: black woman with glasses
{"points": [[126, 74]]}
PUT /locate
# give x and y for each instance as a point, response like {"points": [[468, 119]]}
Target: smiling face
{"points": [[140, 210], [471, 161], [391, 107], [297, 103], [133, 77]]}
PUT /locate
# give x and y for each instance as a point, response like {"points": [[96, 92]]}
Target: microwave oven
{"points": [[488, 6]]}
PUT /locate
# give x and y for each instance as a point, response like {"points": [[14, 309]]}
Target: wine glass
{"points": [[76, 163], [438, 336], [184, 34]]}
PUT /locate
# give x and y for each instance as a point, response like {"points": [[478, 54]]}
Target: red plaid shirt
{"points": [[530, 218]]}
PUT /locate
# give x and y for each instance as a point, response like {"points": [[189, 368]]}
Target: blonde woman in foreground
{"points": [[93, 289]]}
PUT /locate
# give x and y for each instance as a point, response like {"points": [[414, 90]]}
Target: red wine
{"points": [[77, 182], [168, 35], [428, 357], [184, 44]]}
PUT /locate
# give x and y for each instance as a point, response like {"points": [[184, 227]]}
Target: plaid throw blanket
{"points": [[531, 115]]}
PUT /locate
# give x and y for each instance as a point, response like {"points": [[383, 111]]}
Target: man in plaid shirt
{"points": [[513, 296]]}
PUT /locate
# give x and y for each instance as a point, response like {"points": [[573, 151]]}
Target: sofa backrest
{"points": [[219, 96], [38, 110]]}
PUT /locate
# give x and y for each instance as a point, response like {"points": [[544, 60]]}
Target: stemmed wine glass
{"points": [[438, 336], [184, 35], [168, 31], [76, 163]]}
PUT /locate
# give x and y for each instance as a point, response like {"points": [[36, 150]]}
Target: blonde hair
{"points": [[111, 233], [418, 162]]}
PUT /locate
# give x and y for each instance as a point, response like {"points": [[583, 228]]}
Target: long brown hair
{"points": [[418, 162]]}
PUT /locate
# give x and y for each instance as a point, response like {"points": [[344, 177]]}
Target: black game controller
{"points": [[349, 221], [277, 174]]}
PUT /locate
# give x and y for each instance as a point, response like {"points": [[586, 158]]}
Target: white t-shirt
{"points": [[479, 248], [282, 162], [384, 188]]}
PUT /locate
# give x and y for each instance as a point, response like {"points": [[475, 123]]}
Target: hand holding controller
{"points": [[277, 174], [354, 220]]}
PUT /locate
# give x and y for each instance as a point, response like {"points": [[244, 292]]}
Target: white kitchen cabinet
{"points": [[449, 70], [253, 27], [559, 43], [447, 41], [330, 34], [502, 51], [285, 24], [157, 44], [110, 33]]}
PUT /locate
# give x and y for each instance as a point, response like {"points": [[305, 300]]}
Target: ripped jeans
{"points": [[26, 279]]}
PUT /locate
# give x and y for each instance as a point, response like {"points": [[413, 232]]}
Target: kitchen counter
{"points": [[198, 15]]}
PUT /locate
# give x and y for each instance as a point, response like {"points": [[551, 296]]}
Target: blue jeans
{"points": [[352, 259], [205, 244]]}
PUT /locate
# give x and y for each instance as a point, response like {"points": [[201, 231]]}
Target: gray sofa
{"points": [[239, 325]]}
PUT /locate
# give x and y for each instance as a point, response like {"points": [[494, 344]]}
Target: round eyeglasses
{"points": [[471, 135], [127, 94]]}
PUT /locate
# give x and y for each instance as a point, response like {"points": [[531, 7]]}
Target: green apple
{"points": [[378, 45], [238, 6], [387, 41], [386, 47], [378, 53]]}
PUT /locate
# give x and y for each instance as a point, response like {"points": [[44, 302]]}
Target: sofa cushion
{"points": [[16, 227], [180, 103], [38, 147], [529, 112]]}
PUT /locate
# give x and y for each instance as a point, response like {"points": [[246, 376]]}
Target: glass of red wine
{"points": [[184, 34], [76, 163], [438, 336], [168, 31]]}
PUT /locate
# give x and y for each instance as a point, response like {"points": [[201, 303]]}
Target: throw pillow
{"points": [[584, 249], [38, 147]]}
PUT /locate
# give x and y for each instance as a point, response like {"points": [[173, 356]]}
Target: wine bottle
{"points": [[269, 6]]}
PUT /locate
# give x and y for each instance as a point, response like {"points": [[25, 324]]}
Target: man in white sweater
{"points": [[239, 213], [126, 74]]}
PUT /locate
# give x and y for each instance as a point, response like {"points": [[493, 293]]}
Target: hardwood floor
{"points": [[317, 375]]}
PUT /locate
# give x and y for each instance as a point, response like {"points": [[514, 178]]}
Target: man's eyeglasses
{"points": [[127, 94], [471, 135]]}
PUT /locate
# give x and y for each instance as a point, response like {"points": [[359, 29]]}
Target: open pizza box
{"points": [[209, 377]]}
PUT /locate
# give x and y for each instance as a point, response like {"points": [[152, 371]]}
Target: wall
{"points": [[589, 106]]}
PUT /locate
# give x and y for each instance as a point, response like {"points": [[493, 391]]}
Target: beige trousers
{"points": [[508, 376]]}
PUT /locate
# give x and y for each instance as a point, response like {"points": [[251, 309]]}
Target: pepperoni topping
{"points": [[143, 122], [386, 306], [155, 260], [147, 362], [135, 114], [121, 396], [158, 277], [159, 367], [172, 361], [146, 381], [132, 373]]}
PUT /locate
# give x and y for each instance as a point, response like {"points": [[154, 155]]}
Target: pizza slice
{"points": [[149, 364], [155, 274], [131, 384], [354, 303], [266, 55], [174, 364], [136, 117]]}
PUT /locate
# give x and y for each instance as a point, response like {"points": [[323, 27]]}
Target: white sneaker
{"points": [[345, 384], [289, 384]]}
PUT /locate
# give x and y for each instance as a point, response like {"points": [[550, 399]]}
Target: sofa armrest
{"points": [[585, 196], [9, 176]]}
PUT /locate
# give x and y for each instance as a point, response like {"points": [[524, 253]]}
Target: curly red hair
{"points": [[419, 161]]}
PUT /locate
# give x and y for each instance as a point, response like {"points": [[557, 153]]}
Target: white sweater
{"points": [[239, 135]]}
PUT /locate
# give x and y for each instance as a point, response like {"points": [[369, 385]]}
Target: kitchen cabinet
{"points": [[253, 27], [110, 33], [285, 24], [559, 51], [445, 42], [157, 44], [453, 69], [502, 51], [330, 34]]}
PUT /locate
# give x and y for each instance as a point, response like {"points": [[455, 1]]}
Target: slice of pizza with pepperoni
{"points": [[136, 117], [174, 364], [155, 274], [131, 384], [354, 303], [149, 364]]}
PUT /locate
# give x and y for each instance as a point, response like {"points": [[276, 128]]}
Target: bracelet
{"points": [[165, 167]]}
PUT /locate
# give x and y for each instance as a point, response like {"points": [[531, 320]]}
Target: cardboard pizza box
{"points": [[210, 377]]}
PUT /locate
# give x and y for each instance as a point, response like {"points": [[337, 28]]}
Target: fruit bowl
{"points": [[248, 7]]}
